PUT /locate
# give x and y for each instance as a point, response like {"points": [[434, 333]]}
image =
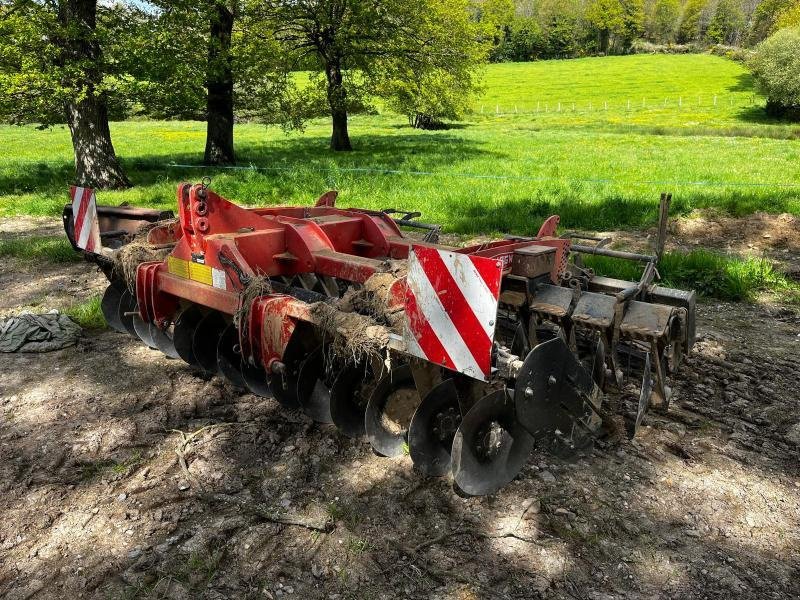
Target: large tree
{"points": [[358, 44], [209, 59], [53, 69]]}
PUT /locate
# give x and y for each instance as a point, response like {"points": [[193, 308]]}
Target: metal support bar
{"points": [[613, 253]]}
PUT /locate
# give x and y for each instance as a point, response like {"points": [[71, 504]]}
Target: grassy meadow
{"points": [[594, 140]]}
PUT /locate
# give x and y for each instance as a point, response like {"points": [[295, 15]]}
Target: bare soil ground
{"points": [[126, 475]]}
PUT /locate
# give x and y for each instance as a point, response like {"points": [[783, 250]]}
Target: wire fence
{"points": [[717, 101]]}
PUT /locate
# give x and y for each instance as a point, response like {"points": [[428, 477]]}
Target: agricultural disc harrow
{"points": [[466, 358]]}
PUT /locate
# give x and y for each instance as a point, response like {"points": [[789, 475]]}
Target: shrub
{"points": [[776, 68]]}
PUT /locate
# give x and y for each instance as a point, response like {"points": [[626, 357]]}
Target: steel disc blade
{"points": [[551, 391], [142, 330], [109, 306], [255, 380], [314, 386], [127, 306], [229, 358], [163, 341], [389, 411], [183, 334], [349, 397], [205, 340], [284, 385], [490, 447], [433, 426]]}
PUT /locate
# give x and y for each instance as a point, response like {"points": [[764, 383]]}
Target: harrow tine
{"points": [[314, 386], [349, 396], [142, 330], [644, 395], [127, 306], [432, 429], [163, 341], [185, 326], [205, 339], [109, 306], [229, 357], [491, 446], [389, 411]]}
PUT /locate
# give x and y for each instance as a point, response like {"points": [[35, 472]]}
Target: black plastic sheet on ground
{"points": [[38, 333]]}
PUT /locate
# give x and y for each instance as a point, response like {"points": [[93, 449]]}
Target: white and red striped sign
{"points": [[84, 215], [451, 309]]}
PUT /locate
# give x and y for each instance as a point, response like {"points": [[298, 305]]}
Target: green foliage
{"points": [[616, 22], [776, 68], [727, 24], [40, 72], [437, 85], [661, 20], [52, 249], [407, 51]]}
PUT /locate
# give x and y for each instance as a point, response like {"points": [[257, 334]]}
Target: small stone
{"points": [[122, 497], [547, 477], [316, 570], [693, 533], [135, 553], [793, 435], [531, 505], [183, 486]]}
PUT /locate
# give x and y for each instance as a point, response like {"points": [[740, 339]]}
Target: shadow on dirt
{"points": [[96, 502]]}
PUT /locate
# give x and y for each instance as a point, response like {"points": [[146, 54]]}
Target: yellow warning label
{"points": [[200, 273], [178, 266]]}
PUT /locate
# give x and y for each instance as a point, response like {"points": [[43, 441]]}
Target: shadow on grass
{"points": [[422, 151], [607, 209]]}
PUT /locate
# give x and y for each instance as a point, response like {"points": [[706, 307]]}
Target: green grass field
{"points": [[599, 169]]}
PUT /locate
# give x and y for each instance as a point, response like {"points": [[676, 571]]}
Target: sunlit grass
{"points": [[598, 169], [87, 314], [53, 249]]}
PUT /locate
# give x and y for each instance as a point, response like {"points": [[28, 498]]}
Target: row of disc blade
{"points": [[483, 446]]}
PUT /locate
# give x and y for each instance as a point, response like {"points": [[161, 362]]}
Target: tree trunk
{"points": [[605, 35], [337, 100], [219, 130], [96, 163]]}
